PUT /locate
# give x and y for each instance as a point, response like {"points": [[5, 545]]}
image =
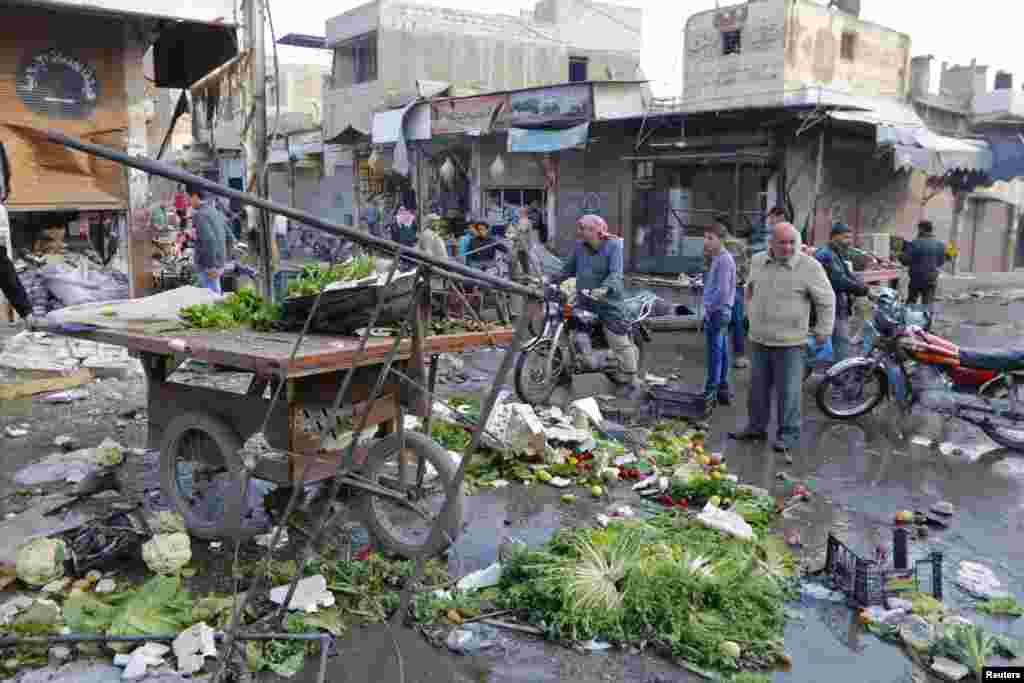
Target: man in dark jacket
{"points": [[924, 256], [834, 257], [214, 241]]}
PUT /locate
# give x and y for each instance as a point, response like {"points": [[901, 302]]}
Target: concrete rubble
{"points": [[980, 581], [39, 351], [193, 646], [950, 670]]}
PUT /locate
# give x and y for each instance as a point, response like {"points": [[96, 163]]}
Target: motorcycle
{"points": [[573, 342], [984, 387]]}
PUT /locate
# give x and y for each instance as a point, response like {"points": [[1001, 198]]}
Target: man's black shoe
{"points": [[748, 435], [780, 448], [724, 400]]}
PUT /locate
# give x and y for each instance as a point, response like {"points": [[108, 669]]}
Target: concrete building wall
{"points": [[785, 46], [595, 178], [839, 51], [483, 52], [752, 77]]}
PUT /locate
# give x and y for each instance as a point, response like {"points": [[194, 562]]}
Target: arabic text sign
{"points": [[465, 115], [545, 140]]}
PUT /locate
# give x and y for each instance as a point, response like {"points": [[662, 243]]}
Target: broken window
{"points": [[577, 69], [356, 61], [731, 42], [849, 43]]}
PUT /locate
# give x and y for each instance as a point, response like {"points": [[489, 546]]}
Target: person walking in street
{"points": [[719, 298], [784, 284], [596, 263], [214, 241], [924, 257], [834, 257]]}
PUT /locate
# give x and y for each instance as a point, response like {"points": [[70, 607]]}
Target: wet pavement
{"points": [[861, 473]]}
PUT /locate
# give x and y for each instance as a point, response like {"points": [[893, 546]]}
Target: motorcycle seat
{"points": [[992, 359]]}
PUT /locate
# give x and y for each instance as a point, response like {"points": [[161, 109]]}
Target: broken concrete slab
{"points": [[524, 433], [949, 669], [83, 671], [193, 646]]}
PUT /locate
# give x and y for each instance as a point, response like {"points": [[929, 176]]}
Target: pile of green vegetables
{"points": [[244, 307], [314, 278], [715, 602]]}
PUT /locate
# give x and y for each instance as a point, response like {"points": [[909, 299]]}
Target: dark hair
{"points": [[717, 229], [926, 227], [191, 190], [777, 211], [723, 220]]}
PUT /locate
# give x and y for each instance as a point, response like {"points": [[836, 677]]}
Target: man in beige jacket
{"points": [[784, 283]]}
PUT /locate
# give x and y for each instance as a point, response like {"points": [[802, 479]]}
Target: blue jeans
{"points": [[210, 283], [739, 324], [781, 368], [841, 339], [717, 356]]}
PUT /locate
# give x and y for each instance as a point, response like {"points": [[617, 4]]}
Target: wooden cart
{"points": [[201, 431]]}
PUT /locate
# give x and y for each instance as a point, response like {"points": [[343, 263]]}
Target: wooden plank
{"points": [[266, 353], [10, 392]]}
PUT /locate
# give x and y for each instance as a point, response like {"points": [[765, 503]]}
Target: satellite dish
{"points": [[847, 6]]}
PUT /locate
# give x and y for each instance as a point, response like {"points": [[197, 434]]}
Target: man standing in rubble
{"points": [[596, 263], [214, 241], [11, 286], [784, 284]]}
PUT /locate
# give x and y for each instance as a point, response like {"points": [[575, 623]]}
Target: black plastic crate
{"points": [[867, 583], [343, 311], [668, 402]]}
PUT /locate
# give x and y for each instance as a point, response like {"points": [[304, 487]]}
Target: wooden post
{"points": [[1011, 238]]}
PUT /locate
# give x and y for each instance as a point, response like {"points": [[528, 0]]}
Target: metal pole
{"points": [[256, 145], [379, 243], [819, 179]]}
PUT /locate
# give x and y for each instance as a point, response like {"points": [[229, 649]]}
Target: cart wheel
{"points": [[398, 529], [201, 473]]}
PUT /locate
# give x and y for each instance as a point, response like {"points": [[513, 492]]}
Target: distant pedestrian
{"points": [[719, 298], [10, 284], [924, 256], [740, 251], [834, 257], [214, 241], [784, 283]]}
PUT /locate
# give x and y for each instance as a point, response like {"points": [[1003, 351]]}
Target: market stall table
{"points": [[213, 424]]}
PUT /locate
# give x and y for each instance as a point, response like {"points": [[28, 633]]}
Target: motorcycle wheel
{"points": [[533, 385], [851, 385], [1007, 438]]}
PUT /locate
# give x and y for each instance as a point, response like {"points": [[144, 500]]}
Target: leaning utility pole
{"points": [[255, 142]]}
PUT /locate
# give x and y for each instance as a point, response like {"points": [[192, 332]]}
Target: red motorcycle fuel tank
{"points": [[969, 377]]}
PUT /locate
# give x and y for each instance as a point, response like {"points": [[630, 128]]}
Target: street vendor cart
{"points": [[201, 431], [337, 404]]}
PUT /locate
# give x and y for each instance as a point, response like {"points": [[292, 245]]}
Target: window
{"points": [[578, 69], [848, 45], [356, 61], [730, 42]]}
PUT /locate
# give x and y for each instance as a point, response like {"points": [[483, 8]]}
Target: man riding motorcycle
{"points": [[596, 263]]}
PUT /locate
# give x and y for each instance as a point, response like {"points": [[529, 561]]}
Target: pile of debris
{"points": [[56, 274], [42, 352]]}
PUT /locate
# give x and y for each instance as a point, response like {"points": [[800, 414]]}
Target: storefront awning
{"points": [[1007, 154], [546, 140], [387, 125], [186, 51], [897, 125]]}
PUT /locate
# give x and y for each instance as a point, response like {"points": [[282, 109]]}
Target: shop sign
{"points": [[561, 104], [466, 115], [58, 85], [547, 140]]}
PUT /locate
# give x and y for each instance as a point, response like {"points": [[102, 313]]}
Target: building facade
{"points": [[385, 51]]}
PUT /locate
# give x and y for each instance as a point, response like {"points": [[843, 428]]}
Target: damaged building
{"points": [[77, 67]]}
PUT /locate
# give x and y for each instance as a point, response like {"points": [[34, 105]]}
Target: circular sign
{"points": [[58, 85]]}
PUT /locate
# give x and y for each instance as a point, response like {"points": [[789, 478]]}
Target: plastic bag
{"points": [[816, 354], [73, 287]]}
